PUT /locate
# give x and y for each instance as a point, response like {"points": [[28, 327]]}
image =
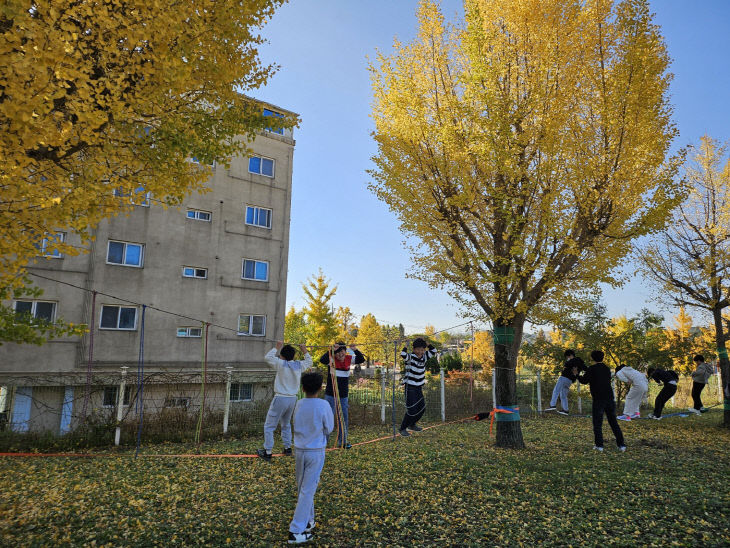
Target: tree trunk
{"points": [[724, 365], [507, 339]]}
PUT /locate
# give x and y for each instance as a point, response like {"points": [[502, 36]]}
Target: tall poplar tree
{"points": [[524, 150], [690, 260]]}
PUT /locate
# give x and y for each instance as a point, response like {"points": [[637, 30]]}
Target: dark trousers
{"points": [[663, 397], [609, 408], [415, 406], [697, 388]]}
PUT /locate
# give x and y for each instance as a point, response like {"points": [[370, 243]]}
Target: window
{"points": [[258, 216], [268, 112], [241, 392], [40, 310], [111, 395], [177, 402], [189, 331], [196, 160], [125, 253], [255, 270], [49, 241], [260, 165], [194, 272], [118, 317], [138, 197], [198, 215], [249, 324]]}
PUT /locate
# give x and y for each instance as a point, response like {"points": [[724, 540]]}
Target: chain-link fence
{"points": [[110, 409]]}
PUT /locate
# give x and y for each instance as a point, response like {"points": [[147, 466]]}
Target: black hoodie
{"points": [[598, 376]]}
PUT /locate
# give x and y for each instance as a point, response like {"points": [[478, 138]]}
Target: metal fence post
{"points": [[494, 389], [383, 374], [539, 393], [227, 409], [719, 387], [443, 397], [120, 405]]}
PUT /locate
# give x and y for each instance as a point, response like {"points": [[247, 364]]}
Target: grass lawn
{"points": [[446, 486]]}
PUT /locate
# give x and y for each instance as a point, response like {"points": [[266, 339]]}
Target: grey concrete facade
{"points": [[213, 241]]}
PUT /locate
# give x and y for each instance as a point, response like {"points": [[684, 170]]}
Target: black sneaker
{"points": [[348, 446], [405, 433], [415, 428], [551, 409], [299, 538], [287, 451], [310, 526], [263, 454], [561, 412]]}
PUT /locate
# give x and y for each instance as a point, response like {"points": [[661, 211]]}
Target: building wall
{"points": [[171, 241]]}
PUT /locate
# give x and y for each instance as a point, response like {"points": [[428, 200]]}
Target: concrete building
{"points": [[219, 258]]}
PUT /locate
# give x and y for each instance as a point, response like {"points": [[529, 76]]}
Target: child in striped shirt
{"points": [[413, 382]]}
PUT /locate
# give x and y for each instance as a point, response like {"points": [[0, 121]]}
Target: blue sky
{"points": [[339, 226]]}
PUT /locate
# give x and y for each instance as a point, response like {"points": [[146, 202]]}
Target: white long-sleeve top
{"points": [[313, 422], [633, 377], [288, 374]]}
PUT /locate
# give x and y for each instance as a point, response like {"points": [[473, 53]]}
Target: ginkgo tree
{"points": [[690, 260], [524, 150], [104, 102]]}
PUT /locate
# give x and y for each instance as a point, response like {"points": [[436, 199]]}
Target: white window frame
{"points": [[271, 216], [58, 237], [250, 325], [188, 332], [196, 215], [255, 261], [147, 195], [194, 160], [196, 272], [125, 401], [119, 312], [261, 164], [124, 254], [33, 308], [238, 386]]}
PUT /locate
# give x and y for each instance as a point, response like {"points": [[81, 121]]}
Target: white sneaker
{"points": [[651, 416], [600, 449], [551, 409], [636, 416], [622, 448], [311, 525], [623, 418], [299, 538]]}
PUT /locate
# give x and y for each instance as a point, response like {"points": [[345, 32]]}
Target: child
{"points": [[413, 382], [598, 376], [669, 378], [637, 392], [341, 371], [313, 422], [566, 379], [286, 386], [700, 376]]}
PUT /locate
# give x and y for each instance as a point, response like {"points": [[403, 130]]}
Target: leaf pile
{"points": [[446, 486]]}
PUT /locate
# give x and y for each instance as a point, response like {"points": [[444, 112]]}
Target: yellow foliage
{"points": [[481, 350], [104, 96], [525, 148]]}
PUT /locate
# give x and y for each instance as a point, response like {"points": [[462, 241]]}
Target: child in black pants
{"points": [[598, 376], [669, 378]]}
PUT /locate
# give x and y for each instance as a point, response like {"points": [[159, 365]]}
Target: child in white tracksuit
{"points": [[286, 387], [313, 422], [637, 392]]}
